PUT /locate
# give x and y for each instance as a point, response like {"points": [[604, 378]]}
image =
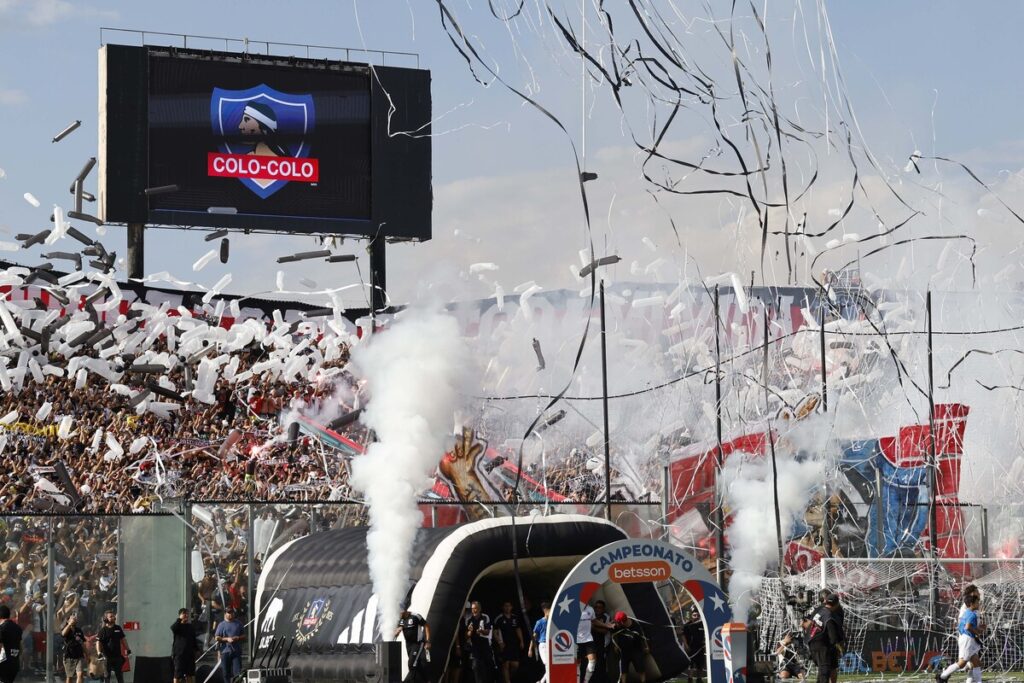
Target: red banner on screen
{"points": [[257, 167]]}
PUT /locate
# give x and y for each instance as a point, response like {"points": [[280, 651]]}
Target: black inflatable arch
{"points": [[318, 590]]}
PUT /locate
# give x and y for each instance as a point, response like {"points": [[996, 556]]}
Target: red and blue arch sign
{"points": [[632, 561]]}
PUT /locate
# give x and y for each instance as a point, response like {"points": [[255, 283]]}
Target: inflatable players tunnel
{"points": [[317, 590]]}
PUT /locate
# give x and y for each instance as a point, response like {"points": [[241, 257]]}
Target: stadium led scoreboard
{"points": [[260, 142]]}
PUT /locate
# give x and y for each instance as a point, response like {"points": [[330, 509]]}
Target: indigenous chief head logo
{"points": [[262, 138]]}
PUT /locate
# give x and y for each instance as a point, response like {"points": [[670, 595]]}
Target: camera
{"points": [[801, 599], [796, 637]]}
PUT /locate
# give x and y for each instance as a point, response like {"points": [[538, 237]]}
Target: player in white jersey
{"points": [[585, 646]]}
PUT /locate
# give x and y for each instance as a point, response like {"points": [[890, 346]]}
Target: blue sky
{"points": [[916, 70]]}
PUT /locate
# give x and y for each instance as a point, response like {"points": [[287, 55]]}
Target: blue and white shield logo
{"points": [[313, 612], [264, 122]]}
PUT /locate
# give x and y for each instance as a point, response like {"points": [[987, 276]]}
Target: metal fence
{"points": [[205, 556]]}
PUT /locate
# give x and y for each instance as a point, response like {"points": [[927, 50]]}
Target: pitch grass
{"points": [[987, 677]]}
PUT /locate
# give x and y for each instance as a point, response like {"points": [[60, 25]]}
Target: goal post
{"points": [[892, 623]]}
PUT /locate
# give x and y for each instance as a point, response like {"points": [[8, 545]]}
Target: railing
{"points": [[249, 46]]}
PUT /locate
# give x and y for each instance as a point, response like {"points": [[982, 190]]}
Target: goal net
{"points": [[900, 614]]}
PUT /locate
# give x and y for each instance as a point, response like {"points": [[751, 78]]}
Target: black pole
{"points": [[826, 522], [378, 275], [826, 525], [879, 515], [719, 520], [771, 448], [933, 536], [136, 249], [824, 381], [984, 532], [604, 403]]}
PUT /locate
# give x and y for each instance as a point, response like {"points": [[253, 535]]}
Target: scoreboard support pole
{"points": [[378, 275], [136, 242]]}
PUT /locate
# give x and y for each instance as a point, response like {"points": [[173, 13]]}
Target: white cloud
{"points": [[12, 97], [41, 13], [531, 225], [46, 12]]}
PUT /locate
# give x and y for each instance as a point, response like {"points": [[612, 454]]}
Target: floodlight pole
{"points": [[604, 404], [589, 271], [933, 517], [824, 377], [250, 562], [719, 518], [50, 601], [771, 446], [136, 248]]}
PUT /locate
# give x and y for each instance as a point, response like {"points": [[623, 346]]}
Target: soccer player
{"points": [[602, 628], [510, 641], [416, 632], [453, 674], [969, 631], [539, 642], [585, 647], [478, 643], [631, 644], [969, 590]]}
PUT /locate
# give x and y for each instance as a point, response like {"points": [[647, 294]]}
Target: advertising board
{"points": [[258, 142]]}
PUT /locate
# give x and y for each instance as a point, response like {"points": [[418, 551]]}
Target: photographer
{"points": [[790, 664], [824, 639], [183, 648], [694, 646], [74, 649]]}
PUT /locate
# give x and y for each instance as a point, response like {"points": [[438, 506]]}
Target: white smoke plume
{"points": [[751, 533], [415, 371]]}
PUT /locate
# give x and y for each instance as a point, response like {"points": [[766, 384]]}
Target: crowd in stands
{"points": [[237, 448], [84, 581], [121, 461]]}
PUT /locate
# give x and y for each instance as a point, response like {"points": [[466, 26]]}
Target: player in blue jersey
{"points": [[969, 631], [539, 641]]}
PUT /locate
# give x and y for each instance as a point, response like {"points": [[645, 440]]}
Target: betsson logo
{"points": [[639, 572]]}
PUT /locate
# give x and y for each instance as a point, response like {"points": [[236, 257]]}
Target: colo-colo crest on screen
{"points": [[263, 138]]}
